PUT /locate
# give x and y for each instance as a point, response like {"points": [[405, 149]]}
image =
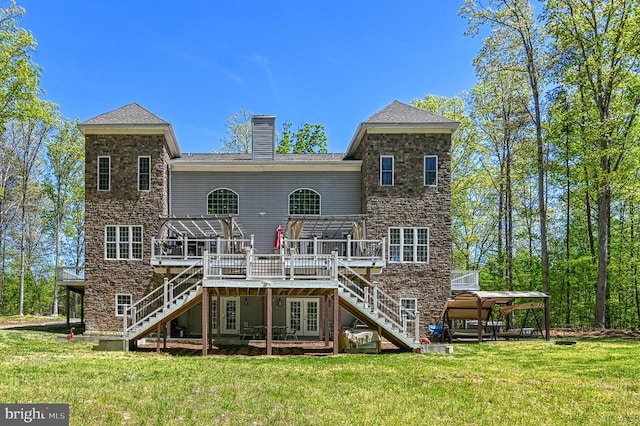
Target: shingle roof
{"points": [[399, 113], [128, 114]]}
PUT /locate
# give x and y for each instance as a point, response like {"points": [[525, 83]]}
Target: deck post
{"points": [[417, 325], [66, 302], [184, 247], [205, 320], [158, 337], [375, 296], [218, 315], [315, 245], [249, 258], [349, 247], [334, 269], [165, 284], [291, 262], [269, 302], [327, 330], [336, 320]]}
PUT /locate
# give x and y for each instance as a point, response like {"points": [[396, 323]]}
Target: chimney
{"points": [[263, 134]]}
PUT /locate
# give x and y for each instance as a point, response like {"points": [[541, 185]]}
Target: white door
{"points": [[303, 316], [230, 315]]}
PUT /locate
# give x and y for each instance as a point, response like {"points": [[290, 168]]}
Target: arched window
{"points": [[222, 201], [304, 201]]}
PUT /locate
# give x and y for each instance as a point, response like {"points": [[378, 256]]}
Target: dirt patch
{"points": [[594, 334]]}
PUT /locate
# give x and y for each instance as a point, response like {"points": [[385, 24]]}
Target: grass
{"points": [[595, 382]]}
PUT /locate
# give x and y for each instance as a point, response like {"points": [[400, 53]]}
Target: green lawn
{"points": [[595, 382]]}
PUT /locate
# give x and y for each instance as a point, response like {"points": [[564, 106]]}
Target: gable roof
{"points": [[398, 115], [131, 119]]}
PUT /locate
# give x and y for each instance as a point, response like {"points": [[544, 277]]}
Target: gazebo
{"points": [[478, 305]]}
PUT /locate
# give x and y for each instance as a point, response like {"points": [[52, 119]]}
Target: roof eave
{"points": [[135, 129]]}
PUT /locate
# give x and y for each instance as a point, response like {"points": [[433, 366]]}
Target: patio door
{"points": [[303, 316], [230, 315]]}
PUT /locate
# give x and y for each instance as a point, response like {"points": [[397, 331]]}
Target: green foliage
{"points": [[308, 139]]}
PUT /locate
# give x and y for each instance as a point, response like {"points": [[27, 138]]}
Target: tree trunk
{"points": [[604, 204]]}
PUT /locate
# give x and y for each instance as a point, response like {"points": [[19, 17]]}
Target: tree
{"points": [[65, 154], [308, 139], [513, 23], [238, 129], [596, 46]]}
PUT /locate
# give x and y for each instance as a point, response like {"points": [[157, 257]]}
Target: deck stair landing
{"points": [[378, 309], [164, 303]]}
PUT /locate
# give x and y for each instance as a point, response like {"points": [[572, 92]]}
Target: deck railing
{"points": [[274, 266], [379, 302], [464, 280], [347, 248], [194, 248], [161, 297], [70, 274]]}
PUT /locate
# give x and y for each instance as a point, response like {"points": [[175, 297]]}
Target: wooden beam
{"points": [[205, 320], [325, 308], [269, 309], [336, 320], [218, 310]]}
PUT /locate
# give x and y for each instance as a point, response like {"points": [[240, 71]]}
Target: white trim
{"points": [[218, 189], [129, 242], [134, 129], [424, 170], [305, 214], [98, 174], [414, 244], [393, 170], [124, 305], [271, 166], [140, 157]]}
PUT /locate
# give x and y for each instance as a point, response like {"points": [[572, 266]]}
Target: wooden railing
{"points": [[274, 266]]}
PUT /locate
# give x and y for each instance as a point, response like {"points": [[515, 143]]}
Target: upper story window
{"points": [[123, 242], [386, 170], [409, 245], [430, 170], [222, 201], [144, 173], [304, 201], [104, 173]]}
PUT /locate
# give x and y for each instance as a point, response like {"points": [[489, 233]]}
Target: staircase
{"points": [[377, 309], [163, 304]]}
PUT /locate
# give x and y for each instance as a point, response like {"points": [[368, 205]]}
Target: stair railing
{"points": [[161, 298], [379, 303]]}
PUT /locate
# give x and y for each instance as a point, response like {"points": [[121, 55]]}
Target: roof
{"points": [[398, 115], [131, 119], [128, 114]]}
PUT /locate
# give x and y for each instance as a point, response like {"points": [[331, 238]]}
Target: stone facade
{"points": [[123, 204], [408, 203]]}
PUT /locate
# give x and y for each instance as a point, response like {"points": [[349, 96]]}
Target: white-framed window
{"points": [[304, 202], [409, 244], [144, 173], [408, 308], [123, 242], [386, 170], [123, 301], [104, 173], [222, 201], [430, 170]]}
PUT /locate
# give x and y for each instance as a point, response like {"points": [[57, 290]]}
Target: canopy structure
{"points": [[201, 226], [334, 227], [477, 305]]}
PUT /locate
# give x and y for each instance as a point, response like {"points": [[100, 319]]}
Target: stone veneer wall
{"points": [[409, 203], [122, 205]]}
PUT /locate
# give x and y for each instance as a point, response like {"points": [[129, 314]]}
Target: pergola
{"points": [[477, 305]]}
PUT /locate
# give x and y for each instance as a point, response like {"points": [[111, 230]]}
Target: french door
{"points": [[229, 314], [303, 316]]}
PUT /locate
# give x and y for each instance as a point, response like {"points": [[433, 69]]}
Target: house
{"points": [[267, 243]]}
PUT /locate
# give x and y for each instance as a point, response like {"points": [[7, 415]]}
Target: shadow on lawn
{"points": [[54, 327]]}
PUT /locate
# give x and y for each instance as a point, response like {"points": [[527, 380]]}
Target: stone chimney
{"points": [[263, 133]]}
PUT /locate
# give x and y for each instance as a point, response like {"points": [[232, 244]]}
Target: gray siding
{"points": [[266, 192]]}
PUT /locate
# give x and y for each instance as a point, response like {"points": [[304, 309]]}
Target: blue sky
{"points": [[194, 63]]}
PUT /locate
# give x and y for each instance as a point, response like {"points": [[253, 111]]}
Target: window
{"points": [[222, 201], [386, 170], [104, 173], [123, 301], [409, 245], [123, 242], [144, 173], [430, 170], [408, 308], [304, 201]]}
